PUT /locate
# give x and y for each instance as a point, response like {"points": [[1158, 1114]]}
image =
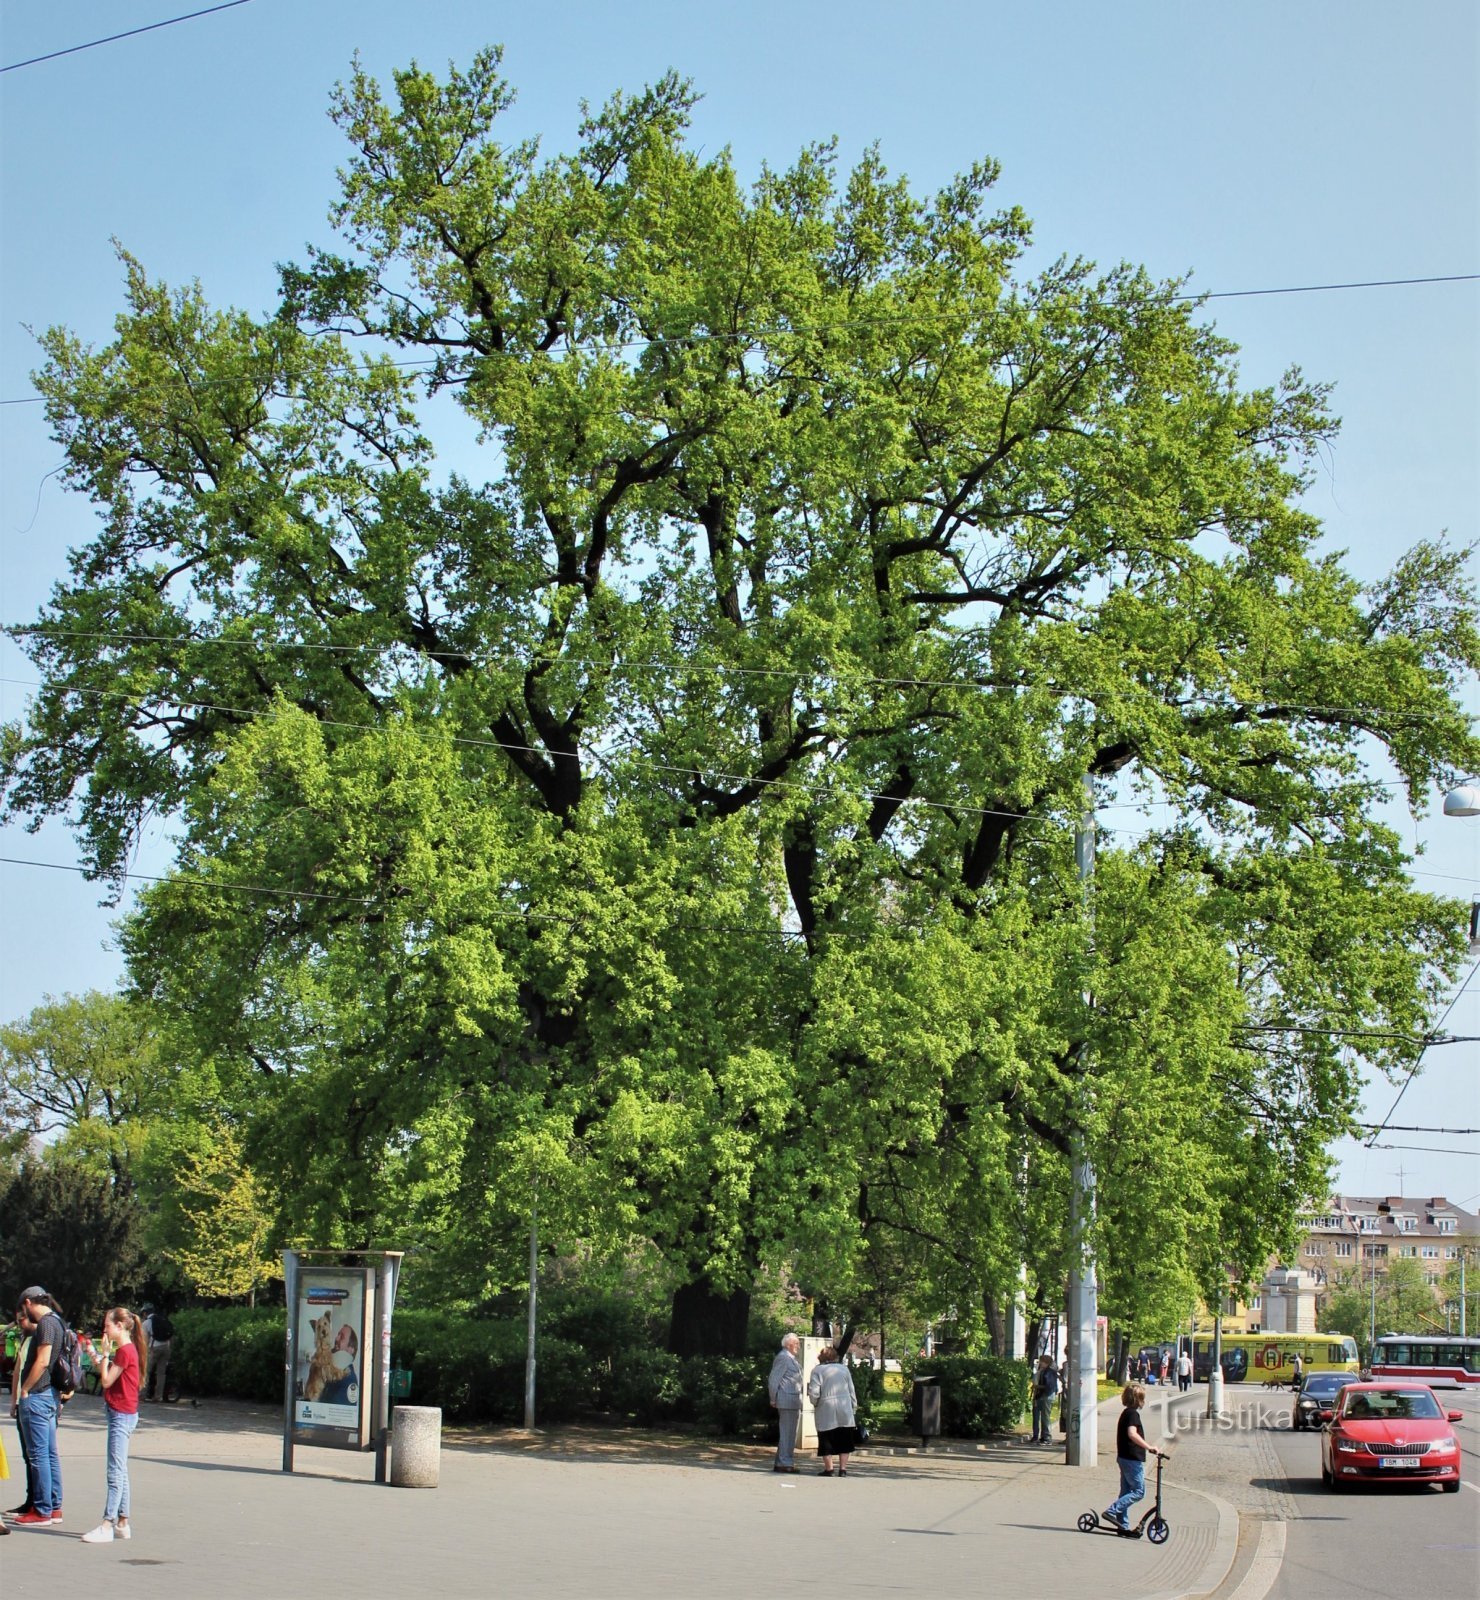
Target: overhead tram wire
{"points": [[846, 324], [130, 33], [1382, 1126]]}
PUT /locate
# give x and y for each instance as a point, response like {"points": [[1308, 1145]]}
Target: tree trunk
{"points": [[996, 1324], [705, 1323]]}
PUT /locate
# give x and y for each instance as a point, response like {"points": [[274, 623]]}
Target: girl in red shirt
{"points": [[122, 1363]]}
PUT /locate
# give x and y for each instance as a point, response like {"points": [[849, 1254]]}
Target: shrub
{"points": [[648, 1385], [726, 1394], [231, 1350], [980, 1395]]}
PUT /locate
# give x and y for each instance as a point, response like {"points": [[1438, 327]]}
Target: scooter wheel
{"points": [[1088, 1522], [1157, 1530]]}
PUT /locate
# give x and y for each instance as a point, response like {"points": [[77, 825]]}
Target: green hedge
{"points": [[235, 1351], [474, 1370], [979, 1395]]}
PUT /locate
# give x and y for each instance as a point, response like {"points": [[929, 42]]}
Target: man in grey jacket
{"points": [[785, 1384]]}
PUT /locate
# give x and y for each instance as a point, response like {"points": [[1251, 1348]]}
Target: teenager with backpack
{"points": [[37, 1405]]}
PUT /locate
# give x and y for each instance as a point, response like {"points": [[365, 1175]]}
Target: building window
{"points": [[1447, 1224], [1343, 1247], [1451, 1252], [1369, 1223], [1314, 1247], [1408, 1251], [1432, 1279], [1407, 1224], [1374, 1252], [1431, 1252]]}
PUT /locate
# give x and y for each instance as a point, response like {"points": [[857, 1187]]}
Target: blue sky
{"points": [[1257, 146]]}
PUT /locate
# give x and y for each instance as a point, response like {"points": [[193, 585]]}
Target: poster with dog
{"points": [[328, 1392]]}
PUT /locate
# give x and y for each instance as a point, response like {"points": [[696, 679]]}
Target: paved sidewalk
{"points": [[586, 1513]]}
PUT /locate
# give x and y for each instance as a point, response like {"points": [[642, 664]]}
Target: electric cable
{"points": [[848, 324], [130, 33]]}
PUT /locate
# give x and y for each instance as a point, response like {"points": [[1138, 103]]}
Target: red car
{"points": [[1387, 1432]]}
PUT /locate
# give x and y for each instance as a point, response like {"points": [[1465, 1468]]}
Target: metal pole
{"points": [[1462, 1333], [1084, 1415], [387, 1277], [534, 1281], [290, 1290]]}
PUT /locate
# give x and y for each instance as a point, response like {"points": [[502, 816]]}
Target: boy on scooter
{"points": [[1131, 1446]]}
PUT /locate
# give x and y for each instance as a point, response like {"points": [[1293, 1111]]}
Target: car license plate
{"points": [[1401, 1461]]}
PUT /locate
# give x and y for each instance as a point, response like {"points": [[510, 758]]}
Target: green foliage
{"points": [[86, 1072], [725, 1395], [236, 1351], [74, 1231], [669, 813], [648, 1385], [979, 1395]]}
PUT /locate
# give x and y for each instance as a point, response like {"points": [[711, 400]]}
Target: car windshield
{"points": [[1323, 1385], [1389, 1405]]}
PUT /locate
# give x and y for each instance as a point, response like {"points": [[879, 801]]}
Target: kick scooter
{"points": [[1152, 1523]]}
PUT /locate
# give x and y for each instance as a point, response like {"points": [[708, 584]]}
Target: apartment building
{"points": [[1367, 1233]]}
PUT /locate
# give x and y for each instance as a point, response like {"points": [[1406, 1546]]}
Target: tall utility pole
{"points": [[1084, 1304]]}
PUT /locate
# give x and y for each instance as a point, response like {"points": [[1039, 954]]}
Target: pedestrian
{"points": [[1131, 1446], [160, 1332], [1299, 1371], [834, 1403], [785, 1386], [25, 1328], [37, 1405], [1184, 1370], [1166, 1365], [1045, 1387], [122, 1364]]}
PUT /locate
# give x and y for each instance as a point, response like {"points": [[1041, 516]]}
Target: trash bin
{"points": [[416, 1446], [925, 1408]]}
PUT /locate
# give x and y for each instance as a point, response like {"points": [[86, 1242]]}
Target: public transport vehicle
{"points": [[1389, 1432], [1434, 1359], [1270, 1357]]}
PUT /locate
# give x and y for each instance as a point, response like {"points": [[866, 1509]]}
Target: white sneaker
{"points": [[123, 1530], [102, 1534]]}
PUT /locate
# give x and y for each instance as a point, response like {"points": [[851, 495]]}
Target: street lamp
{"points": [[1083, 1397]]}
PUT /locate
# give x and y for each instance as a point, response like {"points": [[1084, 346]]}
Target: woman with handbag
{"points": [[834, 1403]]}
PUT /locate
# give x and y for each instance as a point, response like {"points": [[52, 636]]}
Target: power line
{"points": [[1325, 288], [847, 324], [130, 33], [717, 668], [704, 774], [1474, 967], [1428, 1149]]}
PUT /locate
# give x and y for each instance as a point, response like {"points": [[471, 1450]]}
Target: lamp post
{"points": [[1084, 1417]]}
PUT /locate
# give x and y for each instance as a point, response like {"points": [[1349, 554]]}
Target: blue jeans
{"points": [[121, 1425], [1132, 1488], [37, 1416]]}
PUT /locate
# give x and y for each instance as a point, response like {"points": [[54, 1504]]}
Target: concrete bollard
{"points": [[416, 1446]]}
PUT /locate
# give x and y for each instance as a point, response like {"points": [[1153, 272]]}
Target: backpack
{"points": [[66, 1367], [162, 1330]]}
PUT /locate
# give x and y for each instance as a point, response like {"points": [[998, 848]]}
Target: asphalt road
{"points": [[1393, 1542]]}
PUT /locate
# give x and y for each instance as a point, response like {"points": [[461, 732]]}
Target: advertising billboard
{"points": [[333, 1360]]}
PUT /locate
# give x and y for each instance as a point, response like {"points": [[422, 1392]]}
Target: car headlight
{"points": [[1352, 1446], [1445, 1445]]}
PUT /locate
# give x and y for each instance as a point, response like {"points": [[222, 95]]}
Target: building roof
{"points": [[1392, 1216]]}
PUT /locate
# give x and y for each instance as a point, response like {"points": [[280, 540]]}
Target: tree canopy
{"points": [[665, 807]]}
